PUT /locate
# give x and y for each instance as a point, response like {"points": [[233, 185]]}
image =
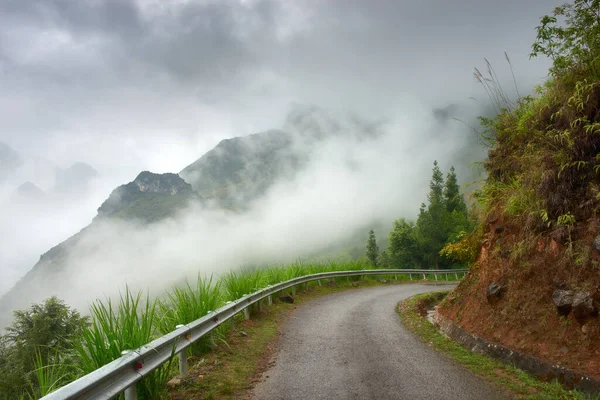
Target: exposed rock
{"points": [[168, 183], [382, 280], [242, 333], [583, 306], [483, 254], [564, 350], [150, 197], [174, 382], [597, 243], [541, 245], [495, 291], [563, 300], [554, 248], [287, 298]]}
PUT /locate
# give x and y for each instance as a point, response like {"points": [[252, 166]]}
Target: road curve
{"points": [[352, 345]]}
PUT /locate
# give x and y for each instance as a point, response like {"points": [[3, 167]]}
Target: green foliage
{"points": [[403, 246], [239, 284], [466, 249], [385, 259], [127, 325], [442, 221], [574, 45], [186, 304], [50, 375], [132, 322], [42, 335], [372, 249], [116, 328], [44, 329], [544, 164]]}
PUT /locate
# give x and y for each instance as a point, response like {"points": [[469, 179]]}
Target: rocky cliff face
{"points": [[149, 197]]}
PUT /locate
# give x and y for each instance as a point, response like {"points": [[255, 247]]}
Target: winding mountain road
{"points": [[352, 345]]}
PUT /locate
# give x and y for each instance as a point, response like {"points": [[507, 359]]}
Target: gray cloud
{"points": [[128, 85]]}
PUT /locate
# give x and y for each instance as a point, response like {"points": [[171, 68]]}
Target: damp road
{"points": [[352, 345]]}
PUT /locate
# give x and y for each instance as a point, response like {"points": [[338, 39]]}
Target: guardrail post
{"points": [[319, 282], [183, 362], [456, 275], [246, 314], [424, 277], [270, 300], [435, 276], [131, 391], [293, 290], [232, 319], [410, 276], [259, 304], [395, 277]]}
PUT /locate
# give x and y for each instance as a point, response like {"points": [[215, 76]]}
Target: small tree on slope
{"points": [[372, 249]]}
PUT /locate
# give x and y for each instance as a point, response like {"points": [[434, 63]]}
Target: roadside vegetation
{"points": [[444, 220], [508, 378], [235, 363], [50, 344], [539, 232]]}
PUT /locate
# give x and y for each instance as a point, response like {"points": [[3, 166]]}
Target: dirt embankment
{"points": [[510, 296]]}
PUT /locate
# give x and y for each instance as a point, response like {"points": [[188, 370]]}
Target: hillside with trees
{"points": [[535, 282]]}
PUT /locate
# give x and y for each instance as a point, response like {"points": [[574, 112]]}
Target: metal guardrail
{"points": [[122, 374]]}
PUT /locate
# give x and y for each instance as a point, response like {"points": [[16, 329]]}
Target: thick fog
{"points": [[125, 86]]}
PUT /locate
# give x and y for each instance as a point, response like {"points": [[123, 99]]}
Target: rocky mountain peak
{"points": [[168, 183], [149, 197]]}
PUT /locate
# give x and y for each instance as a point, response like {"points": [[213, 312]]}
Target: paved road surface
{"points": [[352, 345]]}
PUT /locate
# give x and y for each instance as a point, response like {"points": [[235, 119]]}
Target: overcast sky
{"points": [[155, 83], [132, 85]]}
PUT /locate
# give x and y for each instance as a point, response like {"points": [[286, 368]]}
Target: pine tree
{"points": [[452, 197], [432, 222], [436, 187], [372, 249], [457, 219]]}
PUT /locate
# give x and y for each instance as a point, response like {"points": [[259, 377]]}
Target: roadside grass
{"points": [[136, 318], [234, 365], [507, 377]]}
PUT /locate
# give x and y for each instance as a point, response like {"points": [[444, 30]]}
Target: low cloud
{"points": [[349, 183]]}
